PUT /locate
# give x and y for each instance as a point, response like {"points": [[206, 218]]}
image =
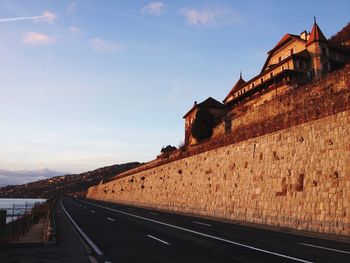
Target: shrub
{"points": [[203, 124]]}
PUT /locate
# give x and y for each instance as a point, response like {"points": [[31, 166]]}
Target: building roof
{"points": [[208, 103], [239, 84], [316, 34], [285, 39]]}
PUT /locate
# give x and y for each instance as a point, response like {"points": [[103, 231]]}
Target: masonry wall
{"points": [[286, 164], [295, 178]]}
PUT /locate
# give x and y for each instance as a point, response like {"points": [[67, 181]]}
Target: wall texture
{"points": [[296, 178], [286, 164]]}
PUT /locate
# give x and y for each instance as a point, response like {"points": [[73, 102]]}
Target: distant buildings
{"points": [[295, 60]]}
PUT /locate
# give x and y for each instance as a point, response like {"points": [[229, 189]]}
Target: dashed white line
{"points": [[111, 219], [162, 241], [81, 232], [325, 248], [200, 223], [152, 213], [130, 209], [85, 207], [202, 234], [92, 211]]}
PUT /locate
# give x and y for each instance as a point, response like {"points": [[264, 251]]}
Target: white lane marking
{"points": [[130, 209], [111, 219], [200, 223], [81, 232], [162, 241], [151, 213], [325, 248], [201, 234], [92, 211]]}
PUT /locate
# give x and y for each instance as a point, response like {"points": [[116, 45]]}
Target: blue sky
{"points": [[86, 83]]}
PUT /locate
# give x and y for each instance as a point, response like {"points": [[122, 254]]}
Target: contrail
{"points": [[45, 16], [3, 20]]}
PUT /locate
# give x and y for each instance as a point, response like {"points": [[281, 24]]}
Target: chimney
{"points": [[304, 35]]}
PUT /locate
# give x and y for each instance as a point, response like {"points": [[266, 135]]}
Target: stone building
{"points": [[294, 60]]}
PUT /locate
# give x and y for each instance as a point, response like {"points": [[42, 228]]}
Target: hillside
{"points": [[70, 183], [342, 37]]}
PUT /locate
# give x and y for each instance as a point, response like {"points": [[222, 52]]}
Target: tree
{"points": [[203, 124], [168, 149]]}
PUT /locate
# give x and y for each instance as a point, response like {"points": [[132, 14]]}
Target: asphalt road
{"points": [[120, 233]]}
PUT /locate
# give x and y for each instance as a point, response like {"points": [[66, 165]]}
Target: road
{"points": [[120, 233]]}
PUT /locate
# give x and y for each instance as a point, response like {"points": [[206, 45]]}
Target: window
{"points": [[297, 64], [252, 85], [291, 52], [261, 80], [279, 59], [282, 68], [271, 74]]}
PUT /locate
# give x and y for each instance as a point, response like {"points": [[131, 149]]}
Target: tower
{"points": [[317, 48]]}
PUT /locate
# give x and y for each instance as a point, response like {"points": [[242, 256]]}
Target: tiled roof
{"points": [[208, 103], [316, 34]]}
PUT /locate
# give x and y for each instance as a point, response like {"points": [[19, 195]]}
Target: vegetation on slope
{"points": [[342, 37], [70, 183]]}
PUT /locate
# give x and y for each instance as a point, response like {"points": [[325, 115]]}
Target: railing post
{"points": [[13, 211], [3, 214]]}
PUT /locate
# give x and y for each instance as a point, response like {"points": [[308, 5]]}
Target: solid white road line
{"points": [[200, 223], [325, 248], [81, 232], [162, 241], [151, 213], [201, 234], [92, 211], [111, 219]]}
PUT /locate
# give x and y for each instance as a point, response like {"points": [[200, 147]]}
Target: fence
{"points": [[25, 219]]}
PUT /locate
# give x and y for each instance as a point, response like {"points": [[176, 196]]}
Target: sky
{"points": [[85, 84]]}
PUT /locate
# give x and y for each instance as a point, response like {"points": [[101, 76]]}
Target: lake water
{"points": [[18, 206]]}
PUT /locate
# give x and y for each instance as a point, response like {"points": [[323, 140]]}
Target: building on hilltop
{"points": [[294, 60]]}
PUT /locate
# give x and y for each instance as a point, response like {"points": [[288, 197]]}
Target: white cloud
{"points": [[75, 31], [153, 9], [103, 46], [11, 177], [35, 38], [209, 16], [47, 17]]}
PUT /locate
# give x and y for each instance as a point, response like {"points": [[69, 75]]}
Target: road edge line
{"points": [[81, 232]]}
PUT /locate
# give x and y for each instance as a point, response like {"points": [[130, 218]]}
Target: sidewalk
{"points": [[69, 248], [34, 235]]}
